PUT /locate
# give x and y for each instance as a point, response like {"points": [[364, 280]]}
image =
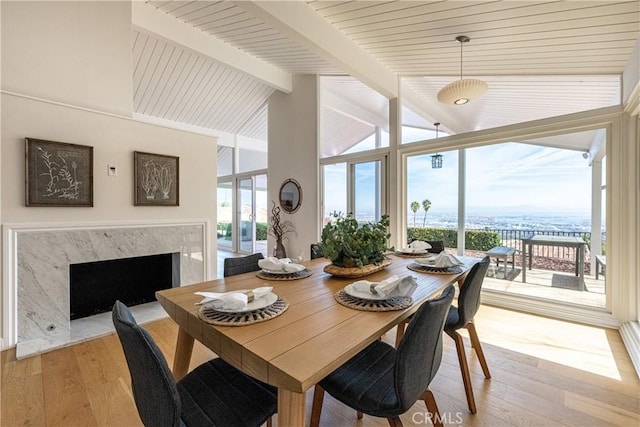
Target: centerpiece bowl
{"points": [[355, 249]]}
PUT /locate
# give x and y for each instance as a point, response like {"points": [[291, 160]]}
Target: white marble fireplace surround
{"points": [[36, 275]]}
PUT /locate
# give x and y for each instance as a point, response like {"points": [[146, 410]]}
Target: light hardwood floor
{"points": [[544, 372]]}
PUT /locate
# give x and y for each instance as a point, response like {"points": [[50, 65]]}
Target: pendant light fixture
{"points": [[436, 159], [464, 90]]}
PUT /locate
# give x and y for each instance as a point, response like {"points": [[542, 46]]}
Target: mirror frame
{"points": [[292, 189]]}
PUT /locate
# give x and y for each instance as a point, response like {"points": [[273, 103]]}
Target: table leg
{"points": [[291, 408], [577, 261], [524, 262], [506, 265], [182, 358], [581, 267]]}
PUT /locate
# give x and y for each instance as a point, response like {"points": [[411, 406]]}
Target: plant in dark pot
{"points": [[279, 230], [355, 249]]}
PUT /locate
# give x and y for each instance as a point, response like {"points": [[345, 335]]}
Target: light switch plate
{"points": [[112, 170]]}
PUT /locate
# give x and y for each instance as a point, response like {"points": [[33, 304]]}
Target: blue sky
{"points": [[510, 178], [506, 177]]}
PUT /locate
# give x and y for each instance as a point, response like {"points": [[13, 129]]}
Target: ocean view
{"points": [[551, 222]]}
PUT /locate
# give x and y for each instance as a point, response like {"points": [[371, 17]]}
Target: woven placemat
{"points": [[395, 303], [408, 255], [434, 270], [215, 317], [291, 276]]}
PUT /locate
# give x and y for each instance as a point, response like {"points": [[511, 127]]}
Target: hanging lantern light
{"points": [[436, 159]]}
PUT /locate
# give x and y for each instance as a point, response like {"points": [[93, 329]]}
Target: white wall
{"points": [[114, 140], [293, 153], [76, 52]]}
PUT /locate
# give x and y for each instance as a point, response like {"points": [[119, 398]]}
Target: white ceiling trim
{"points": [[302, 24], [149, 20]]}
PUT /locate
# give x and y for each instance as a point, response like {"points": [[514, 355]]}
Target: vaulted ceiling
{"points": [[213, 64]]}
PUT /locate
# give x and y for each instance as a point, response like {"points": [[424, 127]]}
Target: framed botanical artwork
{"points": [[58, 173], [156, 179]]}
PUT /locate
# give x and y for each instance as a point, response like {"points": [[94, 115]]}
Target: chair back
{"points": [[419, 353], [469, 298], [316, 250], [243, 264], [437, 246], [154, 389]]}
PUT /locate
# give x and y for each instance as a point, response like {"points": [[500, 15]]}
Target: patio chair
{"points": [[213, 394], [244, 264], [385, 382]]}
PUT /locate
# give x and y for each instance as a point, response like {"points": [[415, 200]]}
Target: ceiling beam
{"points": [[356, 112], [148, 19], [302, 24]]}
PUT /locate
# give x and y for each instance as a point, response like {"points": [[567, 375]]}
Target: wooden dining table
{"points": [[298, 348]]}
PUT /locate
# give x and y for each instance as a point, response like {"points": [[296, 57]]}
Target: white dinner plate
{"points": [[262, 302], [266, 270], [426, 262], [413, 251], [430, 262], [350, 290]]}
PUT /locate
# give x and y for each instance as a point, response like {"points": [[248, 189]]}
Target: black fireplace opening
{"points": [[95, 286]]}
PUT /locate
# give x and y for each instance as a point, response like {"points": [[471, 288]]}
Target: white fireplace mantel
{"points": [[36, 259]]}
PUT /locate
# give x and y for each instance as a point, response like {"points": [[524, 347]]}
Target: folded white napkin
{"points": [[419, 246], [233, 300], [284, 264], [390, 287], [444, 260]]}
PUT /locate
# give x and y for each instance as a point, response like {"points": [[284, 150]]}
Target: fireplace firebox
{"points": [[95, 286]]}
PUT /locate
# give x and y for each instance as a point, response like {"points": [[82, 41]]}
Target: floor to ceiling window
{"points": [[536, 193], [432, 198]]}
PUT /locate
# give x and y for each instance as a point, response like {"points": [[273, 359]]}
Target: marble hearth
{"points": [[36, 282]]}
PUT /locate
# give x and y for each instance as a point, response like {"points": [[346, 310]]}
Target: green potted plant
{"points": [[355, 249]]}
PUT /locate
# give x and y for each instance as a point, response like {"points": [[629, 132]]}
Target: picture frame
{"points": [[156, 179], [58, 174]]}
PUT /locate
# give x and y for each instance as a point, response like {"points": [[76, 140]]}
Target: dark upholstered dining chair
{"points": [[243, 264], [437, 246], [462, 317], [385, 382], [316, 250], [213, 394]]}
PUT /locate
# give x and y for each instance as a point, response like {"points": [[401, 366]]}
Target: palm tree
{"points": [[414, 208], [426, 204]]}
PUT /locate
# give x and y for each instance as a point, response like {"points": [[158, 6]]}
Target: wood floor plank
{"points": [[534, 382], [66, 400], [22, 394]]}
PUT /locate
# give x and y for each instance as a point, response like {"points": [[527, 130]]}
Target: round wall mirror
{"points": [[290, 196]]}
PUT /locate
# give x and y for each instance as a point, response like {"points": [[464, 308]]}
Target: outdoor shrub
{"points": [[261, 231], [480, 240]]}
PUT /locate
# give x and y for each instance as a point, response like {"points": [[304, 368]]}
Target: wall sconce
{"points": [[436, 159]]}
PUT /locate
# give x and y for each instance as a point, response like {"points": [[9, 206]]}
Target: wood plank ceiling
{"points": [[539, 58]]}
